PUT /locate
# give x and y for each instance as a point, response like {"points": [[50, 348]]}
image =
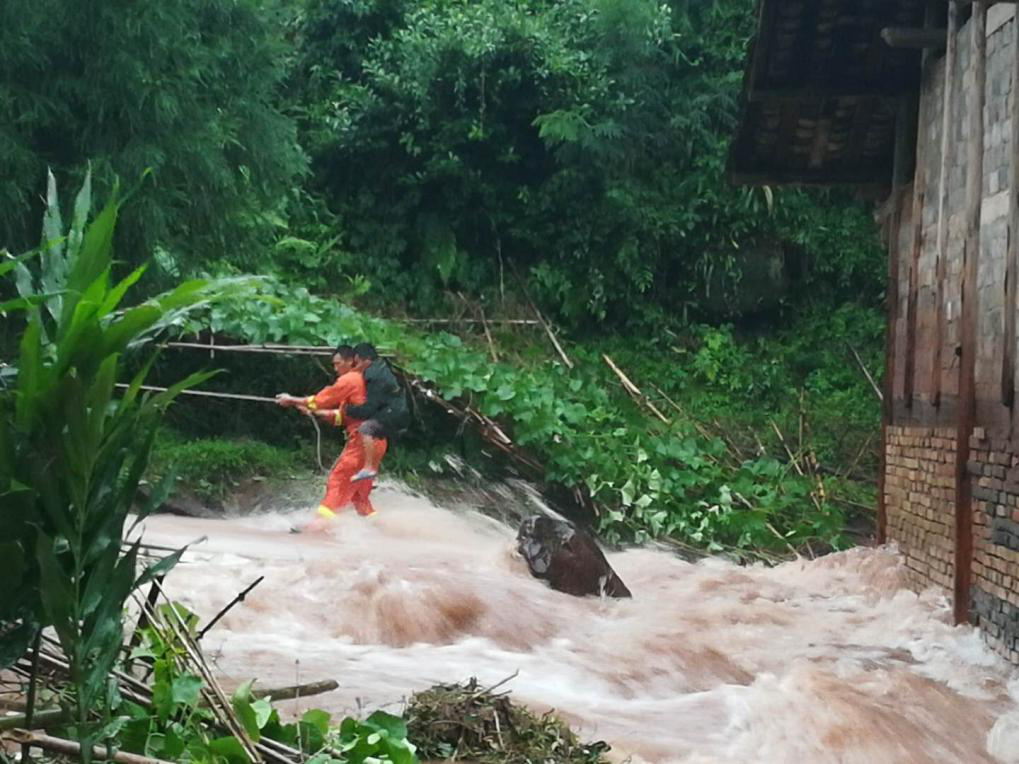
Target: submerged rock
{"points": [[568, 558]]}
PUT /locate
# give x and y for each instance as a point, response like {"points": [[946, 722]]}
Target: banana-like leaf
{"points": [[56, 592]]}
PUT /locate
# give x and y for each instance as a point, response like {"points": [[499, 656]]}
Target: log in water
{"points": [[824, 661]]}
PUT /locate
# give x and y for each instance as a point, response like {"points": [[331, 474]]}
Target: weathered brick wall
{"points": [[994, 467], [920, 449], [919, 501]]}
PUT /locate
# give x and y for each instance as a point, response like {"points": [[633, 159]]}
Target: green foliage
{"points": [[185, 89], [72, 450], [652, 479], [212, 466], [455, 138], [178, 727]]}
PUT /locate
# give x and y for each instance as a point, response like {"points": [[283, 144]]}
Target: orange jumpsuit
{"points": [[348, 388]]}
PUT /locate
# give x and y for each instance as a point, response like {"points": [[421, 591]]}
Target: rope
{"points": [[208, 394], [239, 397], [318, 443]]}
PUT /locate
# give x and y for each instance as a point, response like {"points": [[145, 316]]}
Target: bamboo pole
{"points": [[633, 390], [866, 373], [71, 748]]}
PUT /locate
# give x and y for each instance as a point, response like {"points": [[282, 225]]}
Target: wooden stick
{"points": [[542, 321], [509, 321], [633, 390], [71, 748], [795, 462], [866, 373], [288, 350], [792, 459], [488, 334], [551, 336], [297, 690], [40, 720]]}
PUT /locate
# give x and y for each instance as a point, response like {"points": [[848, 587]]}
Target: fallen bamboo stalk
{"points": [[488, 335], [71, 748], [542, 321], [874, 386], [746, 503], [277, 350], [796, 464], [297, 690], [633, 390], [508, 321], [859, 455], [218, 701], [40, 720], [551, 336], [792, 458]]}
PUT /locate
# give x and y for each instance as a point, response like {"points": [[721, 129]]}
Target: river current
{"points": [[830, 660]]}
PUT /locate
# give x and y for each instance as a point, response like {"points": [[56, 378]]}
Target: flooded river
{"points": [[808, 662]]}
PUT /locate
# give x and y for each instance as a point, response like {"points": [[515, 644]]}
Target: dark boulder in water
{"points": [[568, 558]]}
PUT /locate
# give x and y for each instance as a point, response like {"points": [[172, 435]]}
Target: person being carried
{"points": [[329, 404], [384, 412]]}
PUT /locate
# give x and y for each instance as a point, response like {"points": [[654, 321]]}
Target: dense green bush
{"points": [[651, 479], [583, 142]]}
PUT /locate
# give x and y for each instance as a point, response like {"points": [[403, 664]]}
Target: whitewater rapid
{"points": [[831, 660]]}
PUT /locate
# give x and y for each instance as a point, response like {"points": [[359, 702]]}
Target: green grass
{"points": [[212, 467]]}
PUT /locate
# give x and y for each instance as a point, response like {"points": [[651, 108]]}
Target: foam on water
{"points": [[812, 661]]}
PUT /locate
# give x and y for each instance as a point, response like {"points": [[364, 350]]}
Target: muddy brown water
{"points": [[830, 660]]}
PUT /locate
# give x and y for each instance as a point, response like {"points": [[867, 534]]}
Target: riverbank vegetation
{"points": [[522, 203]]}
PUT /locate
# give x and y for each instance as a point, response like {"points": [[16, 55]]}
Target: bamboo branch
{"points": [[874, 386], [488, 334], [71, 748], [39, 720], [551, 336], [213, 692], [633, 390]]}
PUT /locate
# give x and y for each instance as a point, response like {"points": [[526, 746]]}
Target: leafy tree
{"points": [[184, 88], [583, 140]]}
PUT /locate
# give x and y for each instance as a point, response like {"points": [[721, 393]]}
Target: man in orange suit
{"points": [[329, 404]]}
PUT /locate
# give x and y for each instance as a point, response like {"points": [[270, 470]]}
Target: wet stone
{"points": [[567, 558]]}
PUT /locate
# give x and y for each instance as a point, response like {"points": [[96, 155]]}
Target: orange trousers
{"points": [[339, 490]]}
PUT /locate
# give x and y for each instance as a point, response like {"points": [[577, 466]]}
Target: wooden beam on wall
{"points": [[891, 312], [913, 39], [970, 303], [941, 264], [1012, 256]]}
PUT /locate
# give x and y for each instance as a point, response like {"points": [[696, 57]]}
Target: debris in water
{"points": [[465, 722]]}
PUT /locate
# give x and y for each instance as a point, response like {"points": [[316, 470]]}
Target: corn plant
{"points": [[74, 446]]}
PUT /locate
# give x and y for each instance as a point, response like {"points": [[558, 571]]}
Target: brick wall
{"points": [[920, 493], [994, 467], [919, 500]]}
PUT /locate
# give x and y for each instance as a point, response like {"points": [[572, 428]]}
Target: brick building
{"points": [[910, 102]]}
